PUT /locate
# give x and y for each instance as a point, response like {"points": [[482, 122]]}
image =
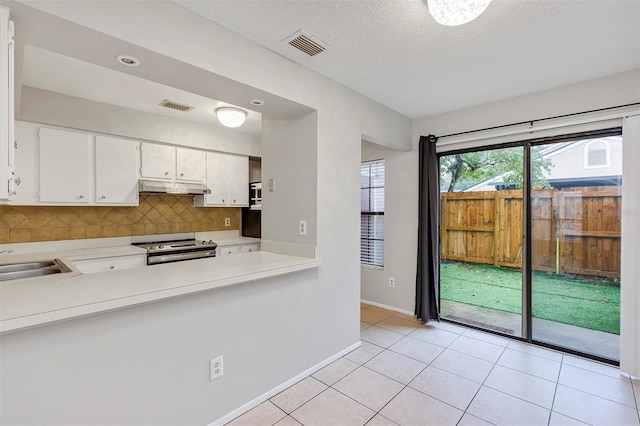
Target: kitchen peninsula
{"points": [[46, 300]]}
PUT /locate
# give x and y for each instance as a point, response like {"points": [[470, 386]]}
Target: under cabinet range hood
{"points": [[181, 188]]}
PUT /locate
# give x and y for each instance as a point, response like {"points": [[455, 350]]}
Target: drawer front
{"points": [[110, 263], [248, 248], [227, 250]]}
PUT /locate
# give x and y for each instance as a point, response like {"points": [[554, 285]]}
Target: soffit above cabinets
{"points": [[47, 70], [81, 62]]}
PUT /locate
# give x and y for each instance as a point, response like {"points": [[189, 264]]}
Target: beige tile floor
{"points": [[441, 374]]}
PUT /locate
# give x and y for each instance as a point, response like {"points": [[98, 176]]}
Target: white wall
{"points": [[290, 160], [398, 230], [148, 365]]}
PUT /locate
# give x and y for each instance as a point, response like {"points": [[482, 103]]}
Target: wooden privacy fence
{"points": [[574, 230]]}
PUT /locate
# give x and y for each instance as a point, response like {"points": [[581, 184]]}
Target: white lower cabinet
{"points": [[239, 248], [103, 264]]}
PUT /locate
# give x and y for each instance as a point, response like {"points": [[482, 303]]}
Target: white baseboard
{"points": [[265, 396], [391, 308]]}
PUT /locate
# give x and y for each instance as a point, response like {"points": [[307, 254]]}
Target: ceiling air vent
{"points": [[306, 43], [174, 105]]}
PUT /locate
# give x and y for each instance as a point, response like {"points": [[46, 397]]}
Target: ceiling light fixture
{"points": [[456, 12], [231, 117], [127, 60]]}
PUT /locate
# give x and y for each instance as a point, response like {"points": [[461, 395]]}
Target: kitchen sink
{"points": [[14, 271]]}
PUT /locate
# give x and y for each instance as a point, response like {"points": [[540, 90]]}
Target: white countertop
{"points": [[31, 302]]}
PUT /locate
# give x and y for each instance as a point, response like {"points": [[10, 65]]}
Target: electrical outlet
{"points": [[227, 221], [392, 282], [302, 227], [217, 369]]}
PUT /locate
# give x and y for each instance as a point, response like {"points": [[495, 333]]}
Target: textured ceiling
{"points": [[393, 52]]}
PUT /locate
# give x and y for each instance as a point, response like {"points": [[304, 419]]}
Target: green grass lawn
{"points": [[588, 303]]}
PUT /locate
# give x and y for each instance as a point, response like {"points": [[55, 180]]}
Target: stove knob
{"points": [[210, 241], [152, 248], [204, 242], [160, 247]]}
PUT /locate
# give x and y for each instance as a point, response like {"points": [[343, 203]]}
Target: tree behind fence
{"points": [[574, 230]]}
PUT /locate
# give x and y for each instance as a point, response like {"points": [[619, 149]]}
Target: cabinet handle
{"points": [[81, 196], [103, 197], [223, 200], [181, 174], [166, 173], [111, 267]]}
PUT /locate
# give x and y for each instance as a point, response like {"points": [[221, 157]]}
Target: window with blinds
{"points": [[372, 213]]}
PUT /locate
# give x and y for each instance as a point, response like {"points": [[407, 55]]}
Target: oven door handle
{"points": [[174, 257]]}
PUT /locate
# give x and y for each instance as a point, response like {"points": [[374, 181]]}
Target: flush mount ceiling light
{"points": [[456, 12], [231, 117], [127, 60]]}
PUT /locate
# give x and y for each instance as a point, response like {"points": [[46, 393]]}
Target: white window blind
{"points": [[372, 213]]}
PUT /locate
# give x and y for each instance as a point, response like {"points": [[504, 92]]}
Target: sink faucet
{"points": [[6, 251]]}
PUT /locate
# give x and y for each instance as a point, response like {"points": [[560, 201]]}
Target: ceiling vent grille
{"points": [[306, 43], [174, 105]]}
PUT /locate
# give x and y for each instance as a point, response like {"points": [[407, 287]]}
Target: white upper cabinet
{"points": [[65, 166], [6, 106], [238, 180], [167, 162], [158, 161], [190, 164], [62, 167], [228, 179], [116, 171]]}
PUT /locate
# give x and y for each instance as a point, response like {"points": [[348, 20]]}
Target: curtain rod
{"points": [[434, 139]]}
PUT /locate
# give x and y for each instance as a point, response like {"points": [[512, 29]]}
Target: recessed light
{"points": [[127, 60], [257, 102]]}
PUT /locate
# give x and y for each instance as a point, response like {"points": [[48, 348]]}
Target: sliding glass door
{"points": [[481, 238], [575, 280], [560, 286]]}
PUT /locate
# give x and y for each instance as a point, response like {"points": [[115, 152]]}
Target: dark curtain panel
{"points": [[427, 277]]}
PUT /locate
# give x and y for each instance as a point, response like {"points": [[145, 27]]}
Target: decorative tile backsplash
{"points": [[156, 214]]}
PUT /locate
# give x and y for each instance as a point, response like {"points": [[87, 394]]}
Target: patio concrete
{"points": [[606, 345]]}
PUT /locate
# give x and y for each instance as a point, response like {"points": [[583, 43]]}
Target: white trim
{"points": [[630, 267], [391, 308], [265, 396], [374, 267], [538, 128]]}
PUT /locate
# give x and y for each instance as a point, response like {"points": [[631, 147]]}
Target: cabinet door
{"points": [[158, 161], [65, 166], [238, 180], [6, 106], [190, 164], [216, 179], [116, 171]]}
